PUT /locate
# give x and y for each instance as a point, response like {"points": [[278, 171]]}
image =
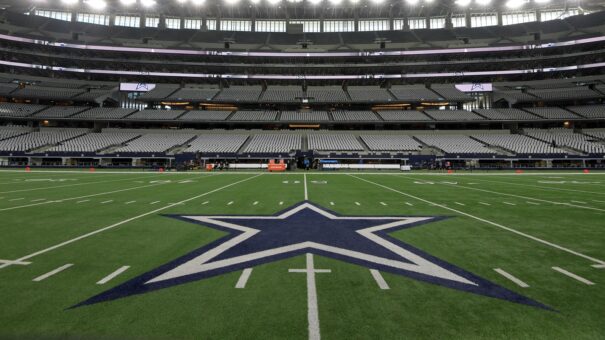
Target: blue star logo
{"points": [[308, 228]]}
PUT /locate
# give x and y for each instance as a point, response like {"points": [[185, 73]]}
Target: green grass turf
{"points": [[273, 305]]}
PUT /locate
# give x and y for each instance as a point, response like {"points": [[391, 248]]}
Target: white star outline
{"points": [[417, 264]]}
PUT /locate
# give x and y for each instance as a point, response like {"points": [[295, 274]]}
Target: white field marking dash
{"points": [[306, 191], [10, 262], [409, 204], [82, 201], [598, 201], [105, 202], [52, 272], [484, 203], [255, 203], [573, 276], [115, 225], [16, 199], [494, 224], [509, 203], [512, 278], [130, 202], [113, 275], [313, 310], [462, 204], [599, 266], [331, 203], [382, 284], [230, 202], [580, 202], [532, 203], [281, 203], [38, 200], [205, 202], [357, 203], [155, 202], [243, 279], [383, 203]]}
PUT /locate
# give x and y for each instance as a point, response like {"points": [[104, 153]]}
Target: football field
{"points": [[132, 255]]}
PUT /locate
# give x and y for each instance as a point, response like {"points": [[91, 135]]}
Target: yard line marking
{"points": [[379, 279], [155, 202], [230, 202], [80, 197], [313, 310], [544, 188], [16, 199], [243, 279], [43, 251], [255, 203], [520, 233], [71, 185], [52, 272], [14, 262], [306, 192], [357, 203], [83, 201], [130, 202], [598, 266], [532, 203], [281, 203], [113, 275], [509, 203], [460, 203], [331, 203], [410, 204], [598, 201], [205, 202], [573, 276], [38, 200], [512, 278], [105, 202], [484, 203], [383, 203], [580, 202]]}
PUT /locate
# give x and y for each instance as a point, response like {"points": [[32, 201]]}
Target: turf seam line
{"points": [[520, 233]]}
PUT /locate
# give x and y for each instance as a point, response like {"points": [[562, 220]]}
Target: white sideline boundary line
{"points": [[573, 276], [512, 278], [113, 275], [243, 279], [52, 272], [382, 284], [92, 233], [520, 233], [79, 197]]}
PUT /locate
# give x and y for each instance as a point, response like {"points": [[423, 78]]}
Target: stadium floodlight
{"points": [[231, 2], [542, 1], [483, 2], [463, 3], [96, 4], [412, 2], [354, 2], [377, 2], [128, 2], [255, 2], [198, 2], [335, 2], [148, 3], [273, 2], [314, 2], [69, 2], [513, 4]]}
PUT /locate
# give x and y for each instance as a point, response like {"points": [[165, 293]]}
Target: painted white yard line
{"points": [[82, 201], [532, 203], [113, 275], [306, 192], [512, 278], [80, 197], [573, 276], [105, 202], [130, 202], [73, 185], [598, 201], [599, 266], [462, 204], [579, 202], [408, 203], [38, 200], [520, 233], [312, 309], [484, 203], [509, 203], [10, 262], [52, 272], [155, 202], [379, 279], [243, 279], [357, 203], [230, 202], [255, 203], [383, 203], [16, 199], [92, 233]]}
